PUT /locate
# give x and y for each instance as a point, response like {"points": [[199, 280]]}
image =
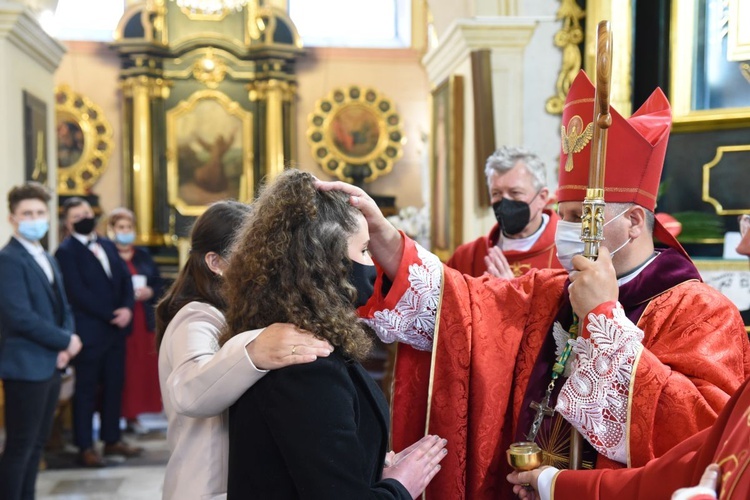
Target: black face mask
{"points": [[85, 226], [362, 277], [512, 215]]}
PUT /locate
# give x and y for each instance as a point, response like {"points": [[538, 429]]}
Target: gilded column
{"points": [[274, 129], [141, 90], [274, 93]]}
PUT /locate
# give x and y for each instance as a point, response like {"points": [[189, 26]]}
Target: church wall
{"points": [[19, 72], [444, 12], [92, 69], [397, 74], [524, 72], [542, 62]]}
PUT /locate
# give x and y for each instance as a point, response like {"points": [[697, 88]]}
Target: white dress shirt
{"points": [[89, 241], [40, 256]]}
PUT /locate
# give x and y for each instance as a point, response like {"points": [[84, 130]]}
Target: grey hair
{"points": [[505, 158], [616, 208]]}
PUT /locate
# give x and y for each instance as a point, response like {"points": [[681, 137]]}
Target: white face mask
{"points": [[569, 244]]}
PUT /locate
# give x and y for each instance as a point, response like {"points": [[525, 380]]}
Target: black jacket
{"points": [[312, 431]]}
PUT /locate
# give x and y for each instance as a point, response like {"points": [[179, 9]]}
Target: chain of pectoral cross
{"points": [[543, 408]]}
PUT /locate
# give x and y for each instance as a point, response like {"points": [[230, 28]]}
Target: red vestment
{"points": [[469, 257], [488, 334], [726, 443]]}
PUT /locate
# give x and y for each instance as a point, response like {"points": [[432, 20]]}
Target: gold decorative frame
{"points": [[374, 145], [567, 38], [682, 43], [82, 159], [446, 167], [243, 189], [706, 185], [210, 70]]}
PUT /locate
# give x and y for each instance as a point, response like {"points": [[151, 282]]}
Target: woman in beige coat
{"points": [[198, 380]]}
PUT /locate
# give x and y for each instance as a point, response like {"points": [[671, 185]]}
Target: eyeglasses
{"points": [[744, 221]]}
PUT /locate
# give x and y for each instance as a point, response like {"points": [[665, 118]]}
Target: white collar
{"points": [[85, 239], [34, 248], [631, 276], [522, 244]]}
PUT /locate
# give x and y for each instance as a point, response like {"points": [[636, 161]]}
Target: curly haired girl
{"points": [[317, 430]]}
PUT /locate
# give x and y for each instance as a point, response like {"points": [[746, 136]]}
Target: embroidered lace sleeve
{"points": [[595, 397], [412, 319]]}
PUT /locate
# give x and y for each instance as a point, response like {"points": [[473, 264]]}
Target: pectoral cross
{"points": [[542, 410]]}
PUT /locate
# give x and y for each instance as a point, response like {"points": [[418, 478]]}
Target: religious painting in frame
{"points": [[35, 138], [446, 166], [209, 152], [84, 142], [710, 64], [484, 119], [356, 134]]}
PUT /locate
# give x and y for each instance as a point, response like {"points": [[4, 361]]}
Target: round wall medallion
{"points": [[355, 134], [84, 142]]}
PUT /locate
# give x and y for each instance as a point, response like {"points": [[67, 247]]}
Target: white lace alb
{"points": [[595, 397], [412, 320]]}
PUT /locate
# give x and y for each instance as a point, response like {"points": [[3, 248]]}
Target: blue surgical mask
{"points": [[33, 230], [569, 244], [125, 238]]}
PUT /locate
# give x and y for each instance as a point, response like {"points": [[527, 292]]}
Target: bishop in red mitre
{"points": [[657, 358]]}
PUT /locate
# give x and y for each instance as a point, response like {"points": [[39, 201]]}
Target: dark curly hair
{"points": [[213, 231], [290, 264]]}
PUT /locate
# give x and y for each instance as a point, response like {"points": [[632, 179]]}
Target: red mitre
{"points": [[635, 148]]}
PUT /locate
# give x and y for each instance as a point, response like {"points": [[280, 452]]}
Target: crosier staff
{"points": [[524, 455], [592, 215]]}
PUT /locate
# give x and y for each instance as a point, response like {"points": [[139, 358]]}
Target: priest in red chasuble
{"points": [[524, 236], [657, 358]]}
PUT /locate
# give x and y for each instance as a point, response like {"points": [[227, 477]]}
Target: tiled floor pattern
{"points": [[135, 479]]}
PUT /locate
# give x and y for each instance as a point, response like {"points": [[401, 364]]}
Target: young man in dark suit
{"points": [[36, 339], [100, 291]]}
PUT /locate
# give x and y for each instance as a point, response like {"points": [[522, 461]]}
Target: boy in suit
{"points": [[100, 291], [36, 339]]}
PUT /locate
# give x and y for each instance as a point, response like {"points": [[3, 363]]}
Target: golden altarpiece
{"points": [[208, 108]]}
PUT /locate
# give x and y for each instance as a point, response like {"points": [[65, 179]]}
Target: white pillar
{"points": [[507, 38]]}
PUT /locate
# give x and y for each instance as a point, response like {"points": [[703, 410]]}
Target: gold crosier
{"points": [[592, 216], [592, 229]]}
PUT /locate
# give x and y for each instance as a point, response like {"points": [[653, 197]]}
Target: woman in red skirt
{"points": [[141, 392]]}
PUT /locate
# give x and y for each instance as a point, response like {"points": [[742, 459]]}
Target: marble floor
{"points": [[136, 479], [111, 483]]}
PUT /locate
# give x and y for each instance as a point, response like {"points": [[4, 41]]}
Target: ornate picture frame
{"points": [[355, 134], [446, 167], [84, 142], [704, 44], [725, 181], [35, 138], [209, 152]]}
